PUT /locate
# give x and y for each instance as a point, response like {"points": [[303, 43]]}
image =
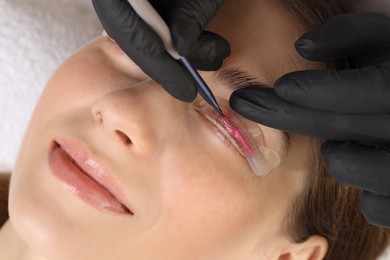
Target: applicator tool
{"points": [[150, 16]]}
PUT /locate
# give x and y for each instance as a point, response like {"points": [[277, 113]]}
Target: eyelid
{"points": [[260, 158]]}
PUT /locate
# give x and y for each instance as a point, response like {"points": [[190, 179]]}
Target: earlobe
{"points": [[314, 248]]}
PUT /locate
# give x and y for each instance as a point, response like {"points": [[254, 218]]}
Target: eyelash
{"points": [[243, 139], [245, 146]]}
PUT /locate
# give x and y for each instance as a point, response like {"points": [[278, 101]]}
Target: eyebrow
{"points": [[235, 79]]}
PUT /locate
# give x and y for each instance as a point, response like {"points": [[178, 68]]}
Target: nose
{"points": [[138, 117]]}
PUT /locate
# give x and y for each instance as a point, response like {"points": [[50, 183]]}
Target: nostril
{"points": [[124, 138]]}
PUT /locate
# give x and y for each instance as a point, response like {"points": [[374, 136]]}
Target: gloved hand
{"points": [[186, 19], [349, 108]]}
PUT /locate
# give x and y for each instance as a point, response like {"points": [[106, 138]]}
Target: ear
{"points": [[315, 248]]}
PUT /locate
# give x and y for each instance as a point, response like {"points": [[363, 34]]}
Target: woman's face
{"points": [[190, 193]]}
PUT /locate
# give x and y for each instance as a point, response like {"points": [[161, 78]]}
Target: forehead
{"points": [[262, 35]]}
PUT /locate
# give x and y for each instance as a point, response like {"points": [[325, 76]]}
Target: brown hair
{"points": [[327, 209], [4, 187], [324, 207]]}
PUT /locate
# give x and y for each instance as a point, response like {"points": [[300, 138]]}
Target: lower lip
{"points": [[80, 184]]}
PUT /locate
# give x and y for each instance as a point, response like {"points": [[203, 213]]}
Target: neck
{"points": [[12, 247]]}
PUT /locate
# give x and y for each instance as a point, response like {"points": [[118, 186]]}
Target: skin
{"points": [[198, 203]]}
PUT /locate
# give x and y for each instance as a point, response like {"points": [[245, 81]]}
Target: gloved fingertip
{"points": [[251, 100], [334, 163], [241, 102], [209, 52], [282, 85], [250, 107], [190, 97], [236, 99], [207, 66], [290, 89], [375, 209], [186, 96], [222, 50], [183, 41], [242, 94], [182, 89], [305, 47]]}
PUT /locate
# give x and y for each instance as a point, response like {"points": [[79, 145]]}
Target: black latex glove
{"points": [[349, 108], [186, 19]]}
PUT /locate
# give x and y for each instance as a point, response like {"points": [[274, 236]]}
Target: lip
{"points": [[86, 177]]}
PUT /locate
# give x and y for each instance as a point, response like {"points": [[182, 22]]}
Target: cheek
{"points": [[208, 196]]}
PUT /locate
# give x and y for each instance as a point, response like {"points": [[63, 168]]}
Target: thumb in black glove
{"points": [[186, 19], [350, 107]]}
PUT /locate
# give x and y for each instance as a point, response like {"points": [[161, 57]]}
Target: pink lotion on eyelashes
{"points": [[261, 159], [233, 131]]}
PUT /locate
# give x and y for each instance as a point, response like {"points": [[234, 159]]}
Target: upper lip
{"points": [[92, 166]]}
